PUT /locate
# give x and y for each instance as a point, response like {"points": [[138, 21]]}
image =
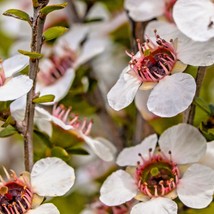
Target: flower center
{"points": [[157, 176], [56, 66], [15, 198], [154, 61], [168, 9]]}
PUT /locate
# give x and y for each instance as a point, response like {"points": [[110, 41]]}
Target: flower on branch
{"points": [[49, 177], [155, 177]]}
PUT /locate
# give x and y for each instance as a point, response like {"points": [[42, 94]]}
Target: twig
{"points": [[190, 112], [36, 45]]}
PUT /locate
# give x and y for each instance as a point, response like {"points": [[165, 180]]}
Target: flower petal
{"points": [[144, 10], [130, 156], [208, 158], [141, 104], [124, 91], [60, 88], [52, 177], [118, 188], [195, 26], [15, 88], [172, 95], [88, 51], [15, 64], [101, 147], [186, 143], [47, 208], [156, 206], [196, 187]]}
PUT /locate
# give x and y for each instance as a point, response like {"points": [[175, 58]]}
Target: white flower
{"points": [[49, 177], [13, 86], [195, 18], [63, 118], [57, 71], [144, 10], [151, 68], [156, 177]]}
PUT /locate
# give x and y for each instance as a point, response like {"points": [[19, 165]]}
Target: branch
{"points": [[36, 45], [190, 112]]}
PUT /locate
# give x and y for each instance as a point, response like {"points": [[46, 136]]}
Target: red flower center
{"points": [[157, 176]]}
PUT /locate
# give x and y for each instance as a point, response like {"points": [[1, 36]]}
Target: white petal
{"points": [[130, 156], [118, 188], [60, 123], [17, 108], [60, 88], [45, 209], [15, 64], [141, 104], [196, 187], [44, 126], [185, 142], [52, 177], [15, 88], [195, 26], [172, 95], [124, 91], [89, 51], [208, 158], [156, 206], [100, 148], [74, 36], [144, 10]]}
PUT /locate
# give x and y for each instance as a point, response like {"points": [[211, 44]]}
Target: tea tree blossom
{"points": [[24, 194], [13, 86], [154, 177], [57, 71], [144, 10], [66, 120], [151, 68], [195, 18]]}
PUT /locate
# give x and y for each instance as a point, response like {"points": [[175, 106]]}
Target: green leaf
{"points": [[8, 131], [44, 99], [54, 32], [45, 138], [60, 153], [51, 8], [18, 14], [9, 121], [77, 151], [32, 55]]}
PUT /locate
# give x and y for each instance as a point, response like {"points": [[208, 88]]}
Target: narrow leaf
{"points": [[44, 99], [60, 153], [45, 138], [8, 131], [51, 8], [202, 104], [32, 55], [77, 151], [54, 32], [18, 14]]}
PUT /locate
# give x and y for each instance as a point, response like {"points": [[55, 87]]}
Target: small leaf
{"points": [[51, 8], [45, 138], [32, 55], [44, 99], [54, 32], [18, 14], [9, 121], [77, 151], [8, 131], [60, 153]]}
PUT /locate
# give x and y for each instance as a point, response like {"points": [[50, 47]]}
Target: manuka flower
{"points": [[66, 120], [155, 177], [13, 86], [155, 67], [195, 18], [145, 10], [49, 177], [57, 71]]}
